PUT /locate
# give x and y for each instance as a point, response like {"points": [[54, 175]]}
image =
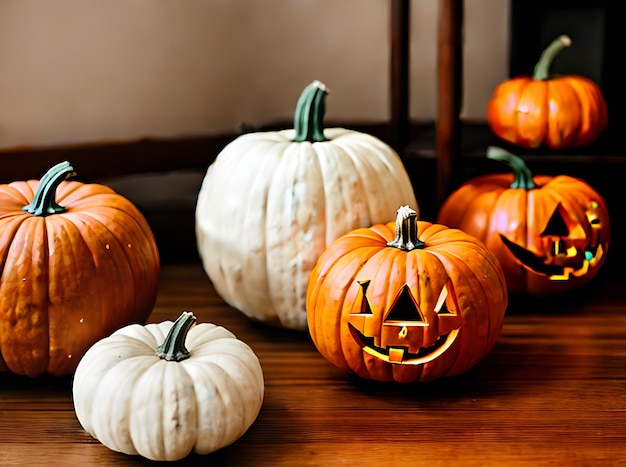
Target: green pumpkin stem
{"points": [[542, 68], [406, 230], [309, 115], [173, 347], [44, 202], [522, 176]]}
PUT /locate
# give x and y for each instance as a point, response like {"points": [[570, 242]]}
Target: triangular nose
{"points": [[404, 309]]}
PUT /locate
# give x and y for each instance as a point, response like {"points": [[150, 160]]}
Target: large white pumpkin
{"points": [[272, 201]]}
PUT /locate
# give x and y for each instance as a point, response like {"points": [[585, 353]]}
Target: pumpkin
{"points": [[272, 201], [77, 262], [556, 112], [164, 390], [550, 234], [406, 301]]}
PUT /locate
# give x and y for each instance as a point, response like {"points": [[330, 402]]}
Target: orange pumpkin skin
{"points": [[556, 112], [453, 332], [549, 239], [71, 278]]}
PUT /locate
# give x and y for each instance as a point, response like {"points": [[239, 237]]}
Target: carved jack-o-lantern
{"points": [[550, 234], [412, 333], [564, 247], [392, 305]]}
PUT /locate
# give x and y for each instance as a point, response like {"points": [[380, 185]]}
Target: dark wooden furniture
{"points": [[447, 141], [551, 392], [443, 154]]}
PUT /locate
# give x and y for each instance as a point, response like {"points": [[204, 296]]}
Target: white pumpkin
{"points": [[165, 390], [272, 201]]}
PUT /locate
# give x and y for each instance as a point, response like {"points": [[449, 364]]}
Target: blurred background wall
{"points": [[77, 71]]}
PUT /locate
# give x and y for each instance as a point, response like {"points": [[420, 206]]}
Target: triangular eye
{"points": [[592, 214], [445, 300], [556, 225], [366, 309], [404, 308]]}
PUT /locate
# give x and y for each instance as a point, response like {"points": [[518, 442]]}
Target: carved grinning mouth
{"points": [[538, 265], [401, 354]]}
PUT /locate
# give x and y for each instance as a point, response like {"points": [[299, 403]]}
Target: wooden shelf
{"points": [[475, 137]]}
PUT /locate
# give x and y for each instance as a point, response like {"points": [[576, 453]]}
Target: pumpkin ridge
{"points": [[586, 98], [210, 363], [20, 193], [484, 207], [61, 285], [376, 185], [143, 271], [10, 225], [492, 334], [290, 219], [518, 125], [344, 259], [262, 157], [9, 286], [570, 101], [71, 192]]}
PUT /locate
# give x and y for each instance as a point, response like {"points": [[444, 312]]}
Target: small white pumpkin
{"points": [[272, 201], [165, 390]]}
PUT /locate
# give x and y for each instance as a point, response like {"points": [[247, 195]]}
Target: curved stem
{"points": [[406, 230], [44, 202], [523, 177], [309, 115], [542, 68], [173, 347]]}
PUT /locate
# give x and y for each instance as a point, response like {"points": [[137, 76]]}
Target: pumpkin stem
{"points": [[542, 68], [309, 115], [406, 230], [43, 203], [523, 177], [173, 347]]}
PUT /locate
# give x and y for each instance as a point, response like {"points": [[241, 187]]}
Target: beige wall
{"points": [[75, 71]]}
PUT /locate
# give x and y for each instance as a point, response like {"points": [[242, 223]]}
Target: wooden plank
{"points": [[550, 392]]}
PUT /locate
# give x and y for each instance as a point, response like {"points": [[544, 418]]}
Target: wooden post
{"points": [[450, 80], [399, 79]]}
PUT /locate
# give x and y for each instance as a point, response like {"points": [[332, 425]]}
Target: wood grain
{"points": [[552, 391]]}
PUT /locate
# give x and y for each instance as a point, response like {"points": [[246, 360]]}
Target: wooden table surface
{"points": [[551, 392]]}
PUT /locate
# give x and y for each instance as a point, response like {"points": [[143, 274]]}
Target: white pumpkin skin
{"points": [[269, 206], [135, 402]]}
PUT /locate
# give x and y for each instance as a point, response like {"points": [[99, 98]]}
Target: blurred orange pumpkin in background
{"points": [[556, 112]]}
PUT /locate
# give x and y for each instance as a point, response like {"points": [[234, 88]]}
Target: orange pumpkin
{"points": [[71, 273], [550, 234], [543, 110], [406, 301]]}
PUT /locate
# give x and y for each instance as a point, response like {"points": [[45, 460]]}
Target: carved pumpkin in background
{"points": [[406, 301], [550, 234]]}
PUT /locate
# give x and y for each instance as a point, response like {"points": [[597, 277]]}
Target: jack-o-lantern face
{"points": [[565, 247], [550, 233], [411, 333], [406, 301]]}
